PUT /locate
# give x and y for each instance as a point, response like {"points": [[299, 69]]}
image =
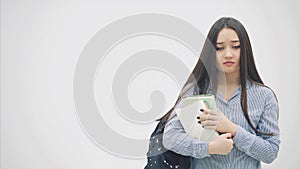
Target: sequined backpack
{"points": [[158, 157]]}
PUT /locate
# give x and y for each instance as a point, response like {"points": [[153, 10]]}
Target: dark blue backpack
{"points": [[159, 157]]}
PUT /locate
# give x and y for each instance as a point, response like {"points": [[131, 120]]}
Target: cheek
{"points": [[219, 63]]}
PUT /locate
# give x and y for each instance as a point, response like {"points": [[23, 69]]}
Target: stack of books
{"points": [[189, 112]]}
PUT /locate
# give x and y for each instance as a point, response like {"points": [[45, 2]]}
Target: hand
{"points": [[223, 144], [217, 121]]}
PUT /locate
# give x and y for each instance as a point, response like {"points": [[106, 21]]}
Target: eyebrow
{"points": [[234, 41]]}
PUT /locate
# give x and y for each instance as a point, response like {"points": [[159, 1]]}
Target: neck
{"points": [[228, 84], [229, 80]]}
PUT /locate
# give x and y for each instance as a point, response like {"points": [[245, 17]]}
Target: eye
{"points": [[236, 47], [219, 48]]}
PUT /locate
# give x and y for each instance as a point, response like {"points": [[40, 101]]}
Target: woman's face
{"points": [[228, 51]]}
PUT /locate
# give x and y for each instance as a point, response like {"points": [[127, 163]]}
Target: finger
{"points": [[203, 118], [209, 123], [215, 113], [229, 135], [206, 111], [210, 112], [226, 135]]}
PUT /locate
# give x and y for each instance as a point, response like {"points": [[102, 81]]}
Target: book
{"points": [[208, 99], [188, 113]]}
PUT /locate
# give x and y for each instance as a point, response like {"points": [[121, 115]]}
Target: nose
{"points": [[228, 53]]}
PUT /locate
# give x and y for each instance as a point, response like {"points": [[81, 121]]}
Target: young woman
{"points": [[248, 110]]}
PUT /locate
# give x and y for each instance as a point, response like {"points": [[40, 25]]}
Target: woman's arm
{"points": [[177, 140], [262, 147]]}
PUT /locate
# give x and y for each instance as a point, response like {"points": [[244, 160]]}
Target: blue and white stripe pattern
{"points": [[249, 148]]}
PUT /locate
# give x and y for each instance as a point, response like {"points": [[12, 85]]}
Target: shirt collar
{"points": [[236, 93], [248, 85]]}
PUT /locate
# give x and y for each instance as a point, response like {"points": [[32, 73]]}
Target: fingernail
{"points": [[198, 117], [201, 110]]}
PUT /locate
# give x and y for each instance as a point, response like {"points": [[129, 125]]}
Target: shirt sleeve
{"points": [[262, 147], [177, 140]]}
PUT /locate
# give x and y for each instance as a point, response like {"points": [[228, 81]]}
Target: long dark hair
{"points": [[204, 74]]}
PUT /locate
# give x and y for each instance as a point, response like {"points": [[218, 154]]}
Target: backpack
{"points": [[158, 157]]}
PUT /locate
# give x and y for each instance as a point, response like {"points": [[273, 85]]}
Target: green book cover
{"points": [[208, 99]]}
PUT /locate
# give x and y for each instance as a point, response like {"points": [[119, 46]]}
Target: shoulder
{"points": [[262, 91], [188, 90]]}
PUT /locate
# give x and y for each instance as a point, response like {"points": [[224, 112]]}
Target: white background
{"points": [[40, 45]]}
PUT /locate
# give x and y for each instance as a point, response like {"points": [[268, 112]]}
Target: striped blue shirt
{"points": [[249, 148]]}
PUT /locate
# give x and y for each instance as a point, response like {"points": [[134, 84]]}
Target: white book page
{"points": [[188, 118]]}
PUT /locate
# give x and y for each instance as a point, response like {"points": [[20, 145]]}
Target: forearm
{"points": [[265, 150], [176, 139]]}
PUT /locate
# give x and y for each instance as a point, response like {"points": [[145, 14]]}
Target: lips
{"points": [[228, 63]]}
